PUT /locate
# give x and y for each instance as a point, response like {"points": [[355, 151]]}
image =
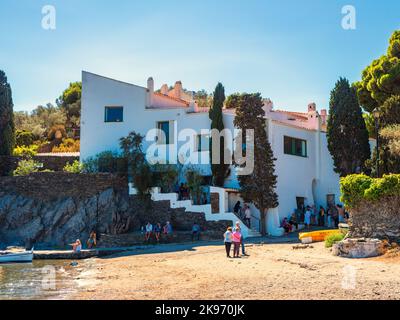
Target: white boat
{"points": [[16, 257]]}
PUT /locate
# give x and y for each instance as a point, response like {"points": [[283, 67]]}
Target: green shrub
{"points": [[333, 238], [24, 138], [106, 162], [357, 187], [194, 181], [75, 167], [26, 151], [67, 145], [166, 177], [26, 167]]}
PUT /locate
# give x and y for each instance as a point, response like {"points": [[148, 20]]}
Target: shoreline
{"points": [[272, 271]]}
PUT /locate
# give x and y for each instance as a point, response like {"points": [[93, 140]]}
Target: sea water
{"points": [[42, 279]]}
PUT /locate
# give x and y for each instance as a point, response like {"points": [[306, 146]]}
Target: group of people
{"points": [[234, 236], [243, 213], [183, 192], [330, 217], [91, 243], [151, 230]]}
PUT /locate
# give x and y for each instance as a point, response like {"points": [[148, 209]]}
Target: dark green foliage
{"points": [[106, 162], [219, 171], [139, 170], [359, 187], [259, 186], [70, 103], [7, 128], [166, 177], [24, 138], [347, 134], [232, 102], [381, 79]]}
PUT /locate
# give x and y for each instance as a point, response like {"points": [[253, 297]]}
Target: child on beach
{"points": [[228, 241]]}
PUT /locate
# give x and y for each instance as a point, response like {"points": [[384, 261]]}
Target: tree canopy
{"points": [[381, 79], [7, 127], [258, 187], [219, 171], [347, 135]]}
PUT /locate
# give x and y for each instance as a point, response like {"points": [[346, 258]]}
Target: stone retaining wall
{"points": [[55, 185], [380, 219], [54, 163]]}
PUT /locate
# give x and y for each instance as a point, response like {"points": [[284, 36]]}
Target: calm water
{"points": [[52, 279]]}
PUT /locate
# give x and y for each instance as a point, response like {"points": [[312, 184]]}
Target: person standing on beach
{"points": [[228, 241], [307, 218], [237, 239], [237, 227]]}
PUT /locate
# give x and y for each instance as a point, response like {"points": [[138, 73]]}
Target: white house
{"points": [[111, 109]]}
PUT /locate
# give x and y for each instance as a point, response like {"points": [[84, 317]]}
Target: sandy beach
{"points": [[271, 271]]}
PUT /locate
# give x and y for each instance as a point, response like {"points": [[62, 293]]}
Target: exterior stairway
{"points": [[206, 209]]}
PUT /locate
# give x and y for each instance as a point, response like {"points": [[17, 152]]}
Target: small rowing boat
{"points": [[317, 236], [16, 257]]}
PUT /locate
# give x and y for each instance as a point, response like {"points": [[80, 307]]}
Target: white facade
{"points": [[309, 177]]}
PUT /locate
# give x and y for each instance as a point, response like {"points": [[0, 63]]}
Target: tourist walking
{"points": [[237, 239], [228, 241], [247, 215], [237, 208], [237, 227]]}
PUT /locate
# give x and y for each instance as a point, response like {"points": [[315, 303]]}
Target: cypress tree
{"points": [[259, 186], [7, 128], [219, 171], [346, 132]]}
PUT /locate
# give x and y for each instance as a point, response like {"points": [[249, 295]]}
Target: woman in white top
{"points": [[228, 241]]}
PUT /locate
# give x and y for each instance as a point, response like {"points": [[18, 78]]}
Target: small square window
{"points": [[114, 114], [295, 147]]}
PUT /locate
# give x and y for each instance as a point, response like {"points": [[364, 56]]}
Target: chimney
{"points": [[268, 105], [150, 91], [178, 90], [193, 106], [312, 107], [164, 89], [324, 115]]}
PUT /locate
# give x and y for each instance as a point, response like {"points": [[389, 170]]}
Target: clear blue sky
{"points": [[291, 51]]}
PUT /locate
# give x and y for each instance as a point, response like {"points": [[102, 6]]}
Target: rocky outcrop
{"points": [[51, 210], [373, 219], [28, 221], [359, 248]]}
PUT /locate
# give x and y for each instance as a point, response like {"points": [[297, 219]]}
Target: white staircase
{"points": [[156, 195]]}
